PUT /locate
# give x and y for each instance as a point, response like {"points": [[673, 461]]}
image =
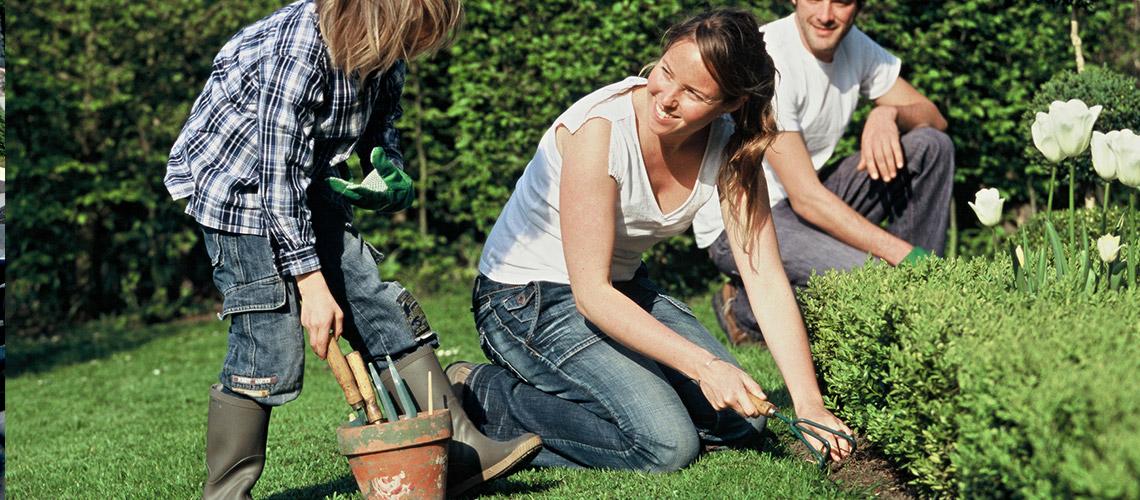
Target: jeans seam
{"points": [[632, 438], [682, 307], [499, 359]]}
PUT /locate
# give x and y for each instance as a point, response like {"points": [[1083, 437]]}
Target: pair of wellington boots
{"points": [[237, 427], [472, 458]]}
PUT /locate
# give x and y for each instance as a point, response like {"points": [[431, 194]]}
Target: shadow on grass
{"points": [[509, 487], [343, 487], [95, 340], [346, 487]]}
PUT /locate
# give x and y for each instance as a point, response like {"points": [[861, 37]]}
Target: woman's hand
{"points": [[726, 386], [840, 448]]}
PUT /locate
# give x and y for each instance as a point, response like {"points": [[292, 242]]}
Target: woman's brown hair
{"points": [[369, 36], [734, 53]]}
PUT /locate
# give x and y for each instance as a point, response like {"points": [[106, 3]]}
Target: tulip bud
{"points": [[1108, 246], [987, 205], [1020, 255]]}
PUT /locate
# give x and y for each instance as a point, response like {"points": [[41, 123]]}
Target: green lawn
{"points": [[114, 412]]}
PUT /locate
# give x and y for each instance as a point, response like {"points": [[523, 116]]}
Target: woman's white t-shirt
{"points": [[526, 243]]}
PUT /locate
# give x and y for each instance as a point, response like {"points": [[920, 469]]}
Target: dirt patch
{"points": [[866, 470]]}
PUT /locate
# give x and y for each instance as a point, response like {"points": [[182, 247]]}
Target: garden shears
{"points": [[801, 426]]}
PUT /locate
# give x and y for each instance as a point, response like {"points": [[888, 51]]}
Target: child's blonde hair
{"points": [[369, 36]]}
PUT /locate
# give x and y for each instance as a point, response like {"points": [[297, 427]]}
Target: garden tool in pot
{"points": [[357, 389], [473, 458], [801, 426]]}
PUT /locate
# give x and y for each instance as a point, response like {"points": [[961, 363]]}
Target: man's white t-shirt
{"points": [[814, 98], [526, 243]]}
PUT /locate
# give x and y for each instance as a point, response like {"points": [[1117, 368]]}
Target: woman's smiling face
{"points": [[683, 96]]}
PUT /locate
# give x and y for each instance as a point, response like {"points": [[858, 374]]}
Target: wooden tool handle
{"points": [[767, 409], [364, 383], [344, 376]]}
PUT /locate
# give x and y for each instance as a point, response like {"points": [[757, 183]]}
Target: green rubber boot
{"points": [[472, 457], [236, 430]]}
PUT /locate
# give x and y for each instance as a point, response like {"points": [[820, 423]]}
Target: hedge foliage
{"points": [[100, 89], [978, 390]]}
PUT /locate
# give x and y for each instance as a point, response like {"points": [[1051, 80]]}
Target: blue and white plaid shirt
{"points": [[274, 117]]}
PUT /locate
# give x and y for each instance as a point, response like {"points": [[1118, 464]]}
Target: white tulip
{"points": [[1065, 131], [1125, 147], [1020, 255], [1117, 155], [987, 205], [1103, 157], [1108, 246], [1045, 139]]}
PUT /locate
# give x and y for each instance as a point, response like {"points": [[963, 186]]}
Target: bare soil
{"points": [[865, 470]]}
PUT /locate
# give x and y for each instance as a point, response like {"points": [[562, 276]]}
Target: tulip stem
{"points": [[994, 241], [1052, 185], [1104, 212], [1129, 221], [1072, 206]]}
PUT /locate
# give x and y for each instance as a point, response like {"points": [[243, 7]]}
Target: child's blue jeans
{"points": [[266, 353]]}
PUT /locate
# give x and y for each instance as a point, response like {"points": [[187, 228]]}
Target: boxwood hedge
{"points": [[979, 390]]}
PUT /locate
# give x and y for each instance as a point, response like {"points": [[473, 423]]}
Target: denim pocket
{"points": [[244, 272], [522, 304], [263, 295], [516, 310]]}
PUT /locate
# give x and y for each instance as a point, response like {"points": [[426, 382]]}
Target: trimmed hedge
{"points": [[979, 390]]}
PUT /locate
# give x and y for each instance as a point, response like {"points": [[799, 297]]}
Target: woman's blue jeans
{"points": [[594, 402]]}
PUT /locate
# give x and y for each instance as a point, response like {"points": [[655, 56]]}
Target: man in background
{"points": [[902, 174]]}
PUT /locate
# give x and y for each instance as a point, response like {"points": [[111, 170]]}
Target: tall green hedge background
{"points": [[98, 89]]}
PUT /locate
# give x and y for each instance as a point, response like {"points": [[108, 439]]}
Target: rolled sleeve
{"points": [[382, 131], [389, 137], [290, 92]]}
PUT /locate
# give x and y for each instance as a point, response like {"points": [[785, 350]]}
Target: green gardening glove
{"points": [[385, 189], [915, 256]]}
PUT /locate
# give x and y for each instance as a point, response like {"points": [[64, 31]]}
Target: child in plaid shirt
{"points": [[261, 158]]}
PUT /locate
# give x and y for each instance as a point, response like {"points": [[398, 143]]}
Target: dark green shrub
{"points": [[100, 89], [980, 391], [1087, 219]]}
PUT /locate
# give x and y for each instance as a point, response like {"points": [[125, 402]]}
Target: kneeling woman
{"points": [[587, 352]]}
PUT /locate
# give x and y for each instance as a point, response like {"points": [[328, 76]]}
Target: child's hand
{"points": [[320, 314], [385, 189]]}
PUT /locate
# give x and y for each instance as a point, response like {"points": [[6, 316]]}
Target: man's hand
{"points": [[320, 314], [916, 255], [385, 189], [881, 154]]}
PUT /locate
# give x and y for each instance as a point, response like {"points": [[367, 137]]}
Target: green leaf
{"points": [[1059, 261]]}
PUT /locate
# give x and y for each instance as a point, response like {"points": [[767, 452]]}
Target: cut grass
{"points": [[113, 411]]}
